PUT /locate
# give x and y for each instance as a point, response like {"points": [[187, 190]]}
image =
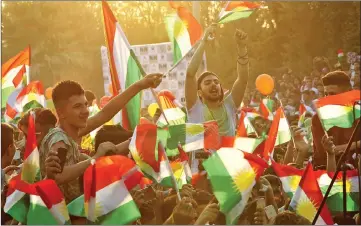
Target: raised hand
{"points": [[150, 81], [209, 214]]}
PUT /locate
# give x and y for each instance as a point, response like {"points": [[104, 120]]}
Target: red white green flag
{"points": [[12, 110], [233, 174], [183, 31], [12, 74], [193, 137], [31, 96], [308, 197], [336, 194], [172, 113], [302, 115], [339, 110], [144, 148], [289, 176], [31, 168], [340, 54], [124, 67], [266, 108], [235, 10], [106, 198], [284, 132], [270, 142]]}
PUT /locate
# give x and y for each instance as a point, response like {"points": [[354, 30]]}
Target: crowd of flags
{"points": [[233, 168]]}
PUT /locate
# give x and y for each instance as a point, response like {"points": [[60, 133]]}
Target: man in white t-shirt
{"points": [[205, 100]]}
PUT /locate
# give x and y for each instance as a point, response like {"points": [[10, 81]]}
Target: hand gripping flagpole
{"points": [[338, 169]]}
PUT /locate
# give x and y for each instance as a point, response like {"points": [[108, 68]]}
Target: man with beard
{"points": [[72, 110], [204, 96]]}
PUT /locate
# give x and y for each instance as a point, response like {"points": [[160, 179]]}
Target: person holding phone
{"points": [[72, 110]]}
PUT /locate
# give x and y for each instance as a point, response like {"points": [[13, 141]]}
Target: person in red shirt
{"points": [[334, 83]]}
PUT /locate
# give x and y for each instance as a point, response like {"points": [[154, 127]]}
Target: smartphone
{"points": [[270, 212], [261, 203], [62, 156]]}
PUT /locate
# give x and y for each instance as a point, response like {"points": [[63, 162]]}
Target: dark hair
{"points": [[110, 133], [64, 90], [7, 137], [289, 218], [203, 76], [43, 116], [338, 78], [90, 96], [340, 220]]}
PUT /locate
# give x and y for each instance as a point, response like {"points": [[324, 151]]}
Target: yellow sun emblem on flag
{"points": [[180, 28], [244, 179], [177, 169], [293, 182], [306, 208], [348, 185], [194, 129]]}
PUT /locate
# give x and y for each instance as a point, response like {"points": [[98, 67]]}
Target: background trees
{"points": [[66, 36]]}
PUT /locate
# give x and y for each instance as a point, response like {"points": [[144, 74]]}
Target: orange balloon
{"points": [[265, 84], [48, 93]]}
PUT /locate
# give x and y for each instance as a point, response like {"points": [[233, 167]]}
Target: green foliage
{"points": [[66, 36]]}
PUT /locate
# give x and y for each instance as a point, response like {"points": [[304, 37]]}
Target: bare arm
{"points": [[240, 84], [119, 102], [71, 172], [331, 163], [191, 81], [289, 154]]}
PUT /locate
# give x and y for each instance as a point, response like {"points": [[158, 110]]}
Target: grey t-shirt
{"points": [[225, 115]]}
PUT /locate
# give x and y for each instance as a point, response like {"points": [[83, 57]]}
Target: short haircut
{"points": [[338, 78], [64, 90], [111, 133], [289, 218], [90, 96], [43, 116], [7, 137]]}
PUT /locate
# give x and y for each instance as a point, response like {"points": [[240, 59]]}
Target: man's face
{"points": [[320, 88], [211, 88], [333, 90], [75, 111]]}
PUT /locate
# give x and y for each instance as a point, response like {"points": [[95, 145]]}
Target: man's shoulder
{"points": [[56, 135]]}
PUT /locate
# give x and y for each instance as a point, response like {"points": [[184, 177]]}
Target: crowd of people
{"points": [[205, 101]]}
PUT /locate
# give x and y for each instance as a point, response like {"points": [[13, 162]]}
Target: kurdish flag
{"points": [[106, 198], [88, 140], [284, 132], [12, 110], [233, 174], [237, 10], [340, 54], [272, 135], [173, 114], [245, 126], [32, 96], [266, 108], [183, 31], [124, 67], [17, 201], [289, 176], [336, 194], [308, 198], [47, 205], [144, 148], [181, 170], [12, 74], [337, 110], [31, 167], [302, 115], [194, 137]]}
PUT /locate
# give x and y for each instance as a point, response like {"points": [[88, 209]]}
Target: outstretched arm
{"points": [[240, 84], [119, 102], [191, 81]]}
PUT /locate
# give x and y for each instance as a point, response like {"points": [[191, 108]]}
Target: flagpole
{"points": [[170, 170], [340, 161]]}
